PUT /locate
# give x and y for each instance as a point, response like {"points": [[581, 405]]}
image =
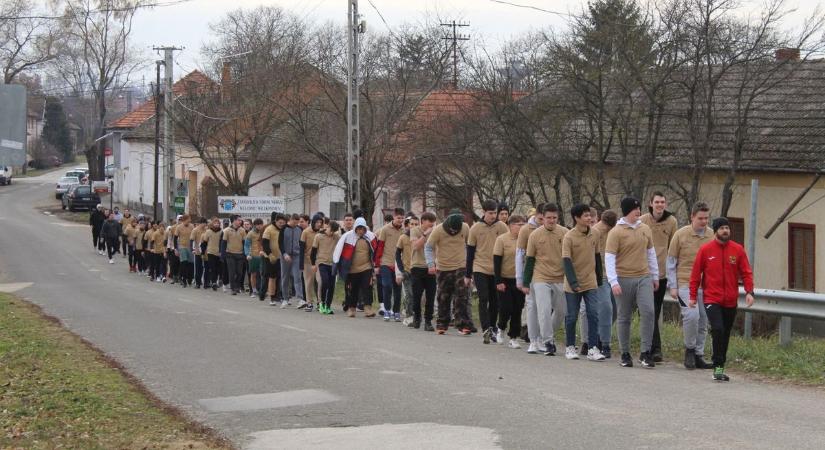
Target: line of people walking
{"points": [[525, 270]]}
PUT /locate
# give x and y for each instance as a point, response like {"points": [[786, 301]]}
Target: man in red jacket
{"points": [[718, 267]]}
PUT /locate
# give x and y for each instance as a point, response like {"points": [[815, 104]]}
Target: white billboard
{"points": [[250, 206], [12, 125]]}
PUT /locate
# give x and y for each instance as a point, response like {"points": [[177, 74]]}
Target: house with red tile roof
{"points": [[131, 138]]}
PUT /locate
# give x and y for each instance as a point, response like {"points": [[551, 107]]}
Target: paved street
{"points": [[272, 378]]}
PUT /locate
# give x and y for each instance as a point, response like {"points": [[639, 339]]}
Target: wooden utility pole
{"points": [[454, 38]]}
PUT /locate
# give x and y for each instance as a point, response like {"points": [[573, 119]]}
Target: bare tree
{"points": [[96, 59], [262, 57], [26, 41]]}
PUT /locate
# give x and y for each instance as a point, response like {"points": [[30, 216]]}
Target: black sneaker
{"points": [[657, 355], [551, 349], [428, 326], [473, 329], [584, 349], [701, 363], [214, 287], [719, 374], [647, 360], [627, 361], [360, 309], [487, 333], [416, 324], [605, 351], [493, 333], [690, 359], [197, 286], [309, 308]]}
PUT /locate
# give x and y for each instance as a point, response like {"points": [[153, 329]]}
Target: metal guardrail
{"points": [[786, 304]]}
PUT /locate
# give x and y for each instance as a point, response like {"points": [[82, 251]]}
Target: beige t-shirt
{"points": [[271, 233], [389, 235], [361, 258], [405, 245], [234, 239], [308, 238], [505, 247], [546, 245], [581, 248], [450, 251], [418, 259], [326, 246], [483, 237], [684, 246], [662, 233], [630, 246]]}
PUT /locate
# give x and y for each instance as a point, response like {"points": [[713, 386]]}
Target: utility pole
{"points": [[157, 140], [168, 135], [752, 247], [455, 37], [354, 28]]}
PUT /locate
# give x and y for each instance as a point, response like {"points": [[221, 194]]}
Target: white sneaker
{"points": [[223, 287], [500, 337], [542, 348], [284, 304], [513, 344], [594, 354], [111, 261], [533, 348], [571, 352], [302, 304]]}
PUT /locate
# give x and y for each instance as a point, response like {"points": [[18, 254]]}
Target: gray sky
{"points": [[491, 23]]}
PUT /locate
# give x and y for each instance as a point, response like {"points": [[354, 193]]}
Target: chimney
{"points": [[787, 54], [226, 80]]}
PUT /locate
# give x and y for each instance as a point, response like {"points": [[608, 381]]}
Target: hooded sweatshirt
{"points": [[345, 248]]}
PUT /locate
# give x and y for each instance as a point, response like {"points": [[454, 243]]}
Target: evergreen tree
{"points": [[56, 129]]}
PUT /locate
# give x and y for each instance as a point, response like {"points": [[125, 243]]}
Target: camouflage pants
{"points": [[406, 303], [453, 291]]}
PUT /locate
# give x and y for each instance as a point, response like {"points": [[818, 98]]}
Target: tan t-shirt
{"points": [[271, 233], [197, 237], [545, 245], [159, 242], [630, 246], [361, 257], [684, 246], [405, 245], [184, 234], [326, 247], [524, 234], [389, 235], [418, 259], [129, 232], [603, 229], [308, 238], [450, 251], [505, 247], [213, 242], [662, 233], [234, 239], [139, 238], [256, 243], [483, 237], [581, 248]]}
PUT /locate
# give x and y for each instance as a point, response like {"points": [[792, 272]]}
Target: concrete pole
{"points": [[752, 248], [169, 159], [353, 139]]}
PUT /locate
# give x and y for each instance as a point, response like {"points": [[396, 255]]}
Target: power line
{"points": [[102, 10]]}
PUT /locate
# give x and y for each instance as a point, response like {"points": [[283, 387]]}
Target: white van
{"points": [[5, 175]]}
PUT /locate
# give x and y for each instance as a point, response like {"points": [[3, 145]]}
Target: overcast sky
{"points": [[187, 24]]}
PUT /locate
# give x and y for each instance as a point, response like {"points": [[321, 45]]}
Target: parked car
{"points": [[109, 170], [80, 196], [63, 185], [76, 173], [5, 175]]}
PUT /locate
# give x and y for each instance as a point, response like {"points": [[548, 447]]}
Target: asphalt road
{"points": [[272, 378]]}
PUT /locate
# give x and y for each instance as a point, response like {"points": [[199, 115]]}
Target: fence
{"points": [[786, 304]]}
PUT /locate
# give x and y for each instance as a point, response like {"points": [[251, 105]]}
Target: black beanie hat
{"points": [[629, 204], [453, 224], [720, 222], [502, 207]]}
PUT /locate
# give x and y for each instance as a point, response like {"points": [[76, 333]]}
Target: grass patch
{"points": [[71, 216], [58, 392]]}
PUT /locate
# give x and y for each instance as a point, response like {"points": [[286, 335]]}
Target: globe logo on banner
{"points": [[250, 206]]}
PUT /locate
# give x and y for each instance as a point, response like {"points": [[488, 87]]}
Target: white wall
{"points": [[291, 178]]}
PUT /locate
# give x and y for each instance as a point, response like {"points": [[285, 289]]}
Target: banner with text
{"points": [[250, 206]]}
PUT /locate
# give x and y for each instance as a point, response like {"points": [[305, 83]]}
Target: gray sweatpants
{"points": [[636, 292], [291, 273], [546, 307], [694, 321]]}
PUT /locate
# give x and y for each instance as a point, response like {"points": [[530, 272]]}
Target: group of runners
{"points": [[524, 269]]}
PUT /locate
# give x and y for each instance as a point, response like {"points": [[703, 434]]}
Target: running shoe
{"points": [[550, 349], [284, 304], [646, 359], [381, 310], [486, 337], [428, 326], [500, 337], [513, 344], [533, 349], [719, 374], [309, 308], [570, 352], [273, 303], [302, 304], [397, 317], [593, 354], [465, 332], [584, 349], [627, 361]]}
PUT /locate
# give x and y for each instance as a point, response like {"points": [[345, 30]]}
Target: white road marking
{"points": [[94, 270], [9, 288], [70, 225], [185, 300], [229, 311], [406, 436], [272, 400], [289, 327]]}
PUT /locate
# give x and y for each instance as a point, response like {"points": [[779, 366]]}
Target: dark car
{"points": [[80, 196]]}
